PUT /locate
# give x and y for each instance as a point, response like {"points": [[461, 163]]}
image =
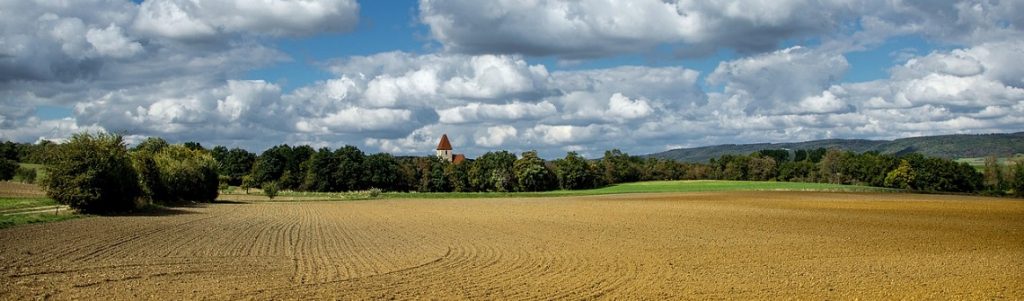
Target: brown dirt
{"points": [[736, 245]]}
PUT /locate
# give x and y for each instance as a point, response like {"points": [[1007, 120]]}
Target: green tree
{"points": [[152, 145], [321, 171], [796, 171], [93, 173], [11, 151], [349, 173], [531, 174], [296, 167], [192, 145], [382, 172], [619, 167], [1018, 178], [143, 161], [779, 155], [431, 170], [994, 174], [831, 166], [761, 168], [7, 169], [187, 174], [25, 175], [271, 164], [493, 172], [234, 163], [43, 152], [247, 183], [270, 189], [902, 177], [574, 172], [458, 176]]}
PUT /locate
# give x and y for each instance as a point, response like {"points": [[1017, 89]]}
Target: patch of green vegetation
{"points": [[946, 146], [657, 186], [33, 218], [12, 204], [638, 187], [41, 172], [979, 162]]}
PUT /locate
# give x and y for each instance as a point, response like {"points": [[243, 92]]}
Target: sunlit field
{"points": [[668, 245]]}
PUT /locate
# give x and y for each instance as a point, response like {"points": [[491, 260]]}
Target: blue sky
{"points": [[553, 76]]}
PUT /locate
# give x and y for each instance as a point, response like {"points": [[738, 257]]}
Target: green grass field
{"points": [[11, 208], [639, 187], [979, 162], [40, 170], [8, 204]]}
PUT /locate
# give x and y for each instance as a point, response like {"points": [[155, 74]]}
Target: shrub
{"points": [[902, 177], [187, 174], [149, 174], [247, 182], [26, 175], [1017, 181], [224, 182], [375, 192], [270, 189], [93, 173], [7, 169]]}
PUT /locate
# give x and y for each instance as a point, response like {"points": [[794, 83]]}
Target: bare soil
{"points": [[736, 245]]}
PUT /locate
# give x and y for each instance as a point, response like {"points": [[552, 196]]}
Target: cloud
{"points": [[756, 81], [586, 29], [622, 108], [549, 107], [390, 77], [495, 136], [112, 42], [175, 69], [582, 29], [190, 20], [515, 111]]}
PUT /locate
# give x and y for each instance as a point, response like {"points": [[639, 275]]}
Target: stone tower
{"points": [[444, 148]]}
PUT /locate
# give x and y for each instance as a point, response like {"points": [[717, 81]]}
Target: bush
{"points": [[1017, 181], [93, 173], [149, 174], [270, 189], [7, 169], [375, 192], [26, 175], [187, 174]]}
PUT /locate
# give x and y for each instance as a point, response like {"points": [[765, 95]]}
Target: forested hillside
{"points": [[946, 146]]}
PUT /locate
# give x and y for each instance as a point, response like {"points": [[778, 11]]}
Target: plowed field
{"points": [[653, 246]]}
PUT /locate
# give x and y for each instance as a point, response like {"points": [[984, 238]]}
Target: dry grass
{"points": [[739, 245], [21, 190]]}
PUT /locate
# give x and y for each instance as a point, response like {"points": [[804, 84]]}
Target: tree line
{"points": [[91, 167]]}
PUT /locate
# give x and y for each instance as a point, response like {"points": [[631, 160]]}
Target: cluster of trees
{"points": [[999, 178], [348, 168], [11, 153], [911, 171], [96, 173], [170, 174]]}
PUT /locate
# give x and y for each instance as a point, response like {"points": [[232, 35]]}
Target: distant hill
{"points": [[946, 146]]}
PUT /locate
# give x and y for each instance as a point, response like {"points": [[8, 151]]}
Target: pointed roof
{"points": [[444, 144]]}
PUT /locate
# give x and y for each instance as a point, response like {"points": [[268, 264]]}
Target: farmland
{"points": [[235, 194], [713, 244]]}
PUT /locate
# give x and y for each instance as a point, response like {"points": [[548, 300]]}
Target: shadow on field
{"points": [[229, 202], [158, 211]]}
